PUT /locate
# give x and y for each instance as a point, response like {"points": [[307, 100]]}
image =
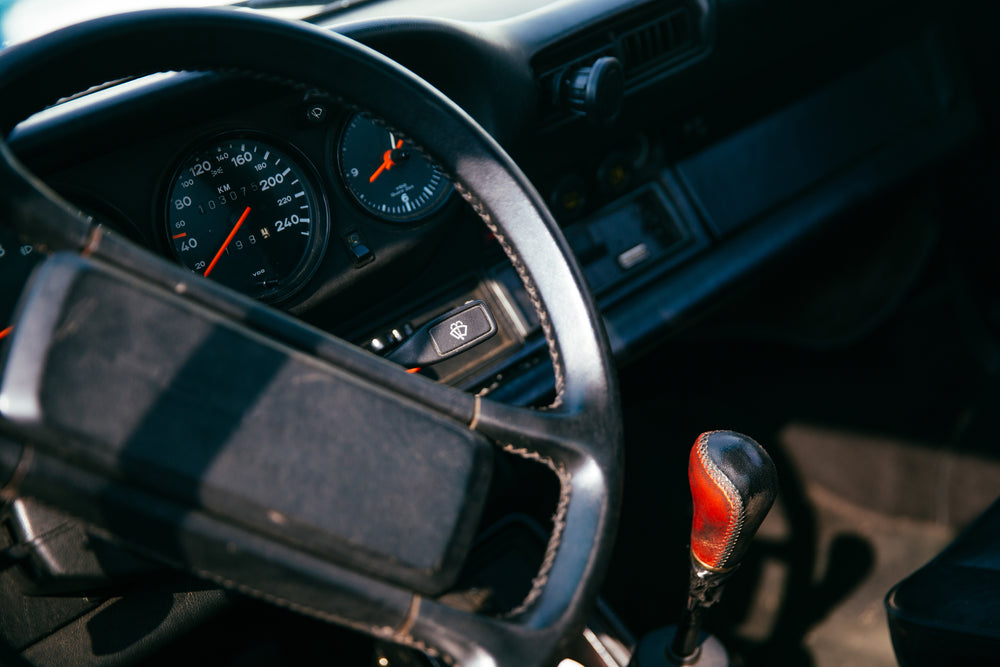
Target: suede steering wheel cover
{"points": [[579, 436]]}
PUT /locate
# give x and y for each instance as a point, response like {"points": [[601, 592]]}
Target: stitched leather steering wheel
{"points": [[578, 437]]}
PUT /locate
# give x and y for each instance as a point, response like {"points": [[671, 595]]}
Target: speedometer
{"points": [[243, 211]]}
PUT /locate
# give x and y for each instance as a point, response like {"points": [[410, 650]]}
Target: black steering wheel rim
{"points": [[579, 436]]}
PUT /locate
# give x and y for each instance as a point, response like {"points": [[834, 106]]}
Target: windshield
{"points": [[23, 19]]}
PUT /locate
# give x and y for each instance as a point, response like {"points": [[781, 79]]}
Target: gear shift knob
{"points": [[733, 484]]}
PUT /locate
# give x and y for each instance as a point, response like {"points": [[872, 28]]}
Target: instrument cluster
{"points": [[249, 210]]}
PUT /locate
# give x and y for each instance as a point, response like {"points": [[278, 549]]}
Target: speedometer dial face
{"points": [[388, 177], [241, 210]]}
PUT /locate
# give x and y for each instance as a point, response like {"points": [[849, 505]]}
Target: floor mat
{"points": [[839, 614]]}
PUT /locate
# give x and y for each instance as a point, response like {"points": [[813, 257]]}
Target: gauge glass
{"points": [[386, 175], [243, 211]]}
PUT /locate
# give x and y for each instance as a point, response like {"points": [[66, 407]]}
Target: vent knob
{"points": [[596, 91]]}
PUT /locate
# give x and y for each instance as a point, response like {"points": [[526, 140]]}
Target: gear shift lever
{"points": [[733, 484]]}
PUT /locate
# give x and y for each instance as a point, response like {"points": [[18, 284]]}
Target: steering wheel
{"points": [[46, 384]]}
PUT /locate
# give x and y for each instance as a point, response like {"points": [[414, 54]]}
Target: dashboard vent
{"points": [[651, 42], [655, 42]]}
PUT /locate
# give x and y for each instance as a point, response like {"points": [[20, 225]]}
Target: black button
{"points": [[461, 329], [450, 334], [362, 253]]}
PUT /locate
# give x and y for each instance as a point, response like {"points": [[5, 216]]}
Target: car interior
{"points": [[389, 332]]}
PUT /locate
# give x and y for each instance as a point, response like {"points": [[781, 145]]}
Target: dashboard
{"points": [[711, 169], [698, 156]]}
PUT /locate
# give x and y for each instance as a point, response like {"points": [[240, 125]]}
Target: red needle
{"points": [[387, 162], [6, 331], [229, 239]]}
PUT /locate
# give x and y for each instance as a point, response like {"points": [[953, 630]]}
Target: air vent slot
{"points": [[656, 42]]}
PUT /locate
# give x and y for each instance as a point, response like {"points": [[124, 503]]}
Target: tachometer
{"points": [[387, 177], [243, 211]]}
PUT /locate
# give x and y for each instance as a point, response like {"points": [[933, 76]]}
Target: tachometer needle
{"points": [[229, 239], [387, 162], [3, 334]]}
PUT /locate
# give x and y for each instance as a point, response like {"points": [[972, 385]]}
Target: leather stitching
{"points": [[735, 526], [558, 524], [529, 287]]}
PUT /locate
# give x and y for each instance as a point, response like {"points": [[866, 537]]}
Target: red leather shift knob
{"points": [[733, 485]]}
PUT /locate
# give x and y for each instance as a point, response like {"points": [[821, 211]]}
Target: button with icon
{"points": [[447, 335], [465, 327]]}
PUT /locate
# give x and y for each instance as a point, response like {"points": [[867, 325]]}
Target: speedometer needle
{"points": [[229, 239], [387, 162]]}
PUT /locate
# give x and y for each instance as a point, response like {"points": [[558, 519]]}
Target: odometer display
{"points": [[242, 211]]}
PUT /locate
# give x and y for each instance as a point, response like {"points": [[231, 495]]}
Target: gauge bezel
{"points": [[319, 236], [421, 215]]}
